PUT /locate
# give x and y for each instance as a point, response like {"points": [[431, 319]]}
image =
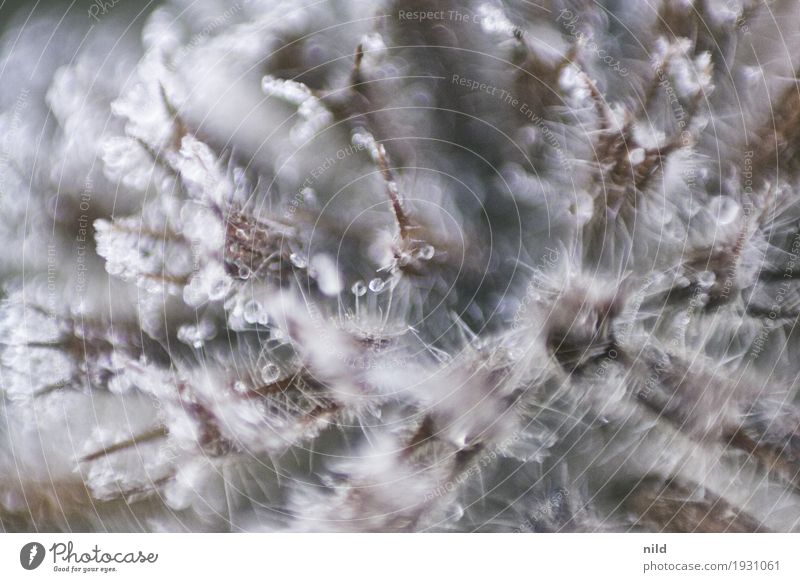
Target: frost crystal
{"points": [[513, 268]]}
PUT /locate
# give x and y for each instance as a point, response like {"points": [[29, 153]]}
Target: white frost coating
{"points": [[201, 174], [509, 287], [314, 116]]}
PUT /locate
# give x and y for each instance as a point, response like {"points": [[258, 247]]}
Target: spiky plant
{"points": [[401, 265]]}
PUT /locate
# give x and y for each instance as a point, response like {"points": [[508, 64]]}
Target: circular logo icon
{"points": [[31, 555]]}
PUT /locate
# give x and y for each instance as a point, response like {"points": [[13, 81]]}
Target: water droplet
{"points": [[244, 272], [426, 253], [219, 289], [359, 139], [197, 335], [252, 311], [636, 156], [270, 373], [724, 209], [240, 387], [359, 289], [376, 285], [298, 260]]}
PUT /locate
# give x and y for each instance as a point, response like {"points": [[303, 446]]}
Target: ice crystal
{"points": [[293, 268]]}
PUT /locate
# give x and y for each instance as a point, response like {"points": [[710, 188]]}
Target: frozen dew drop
{"points": [[244, 272], [187, 335], [298, 260], [377, 285], [240, 387], [426, 252], [636, 156], [359, 289], [219, 289], [270, 373], [359, 140], [252, 311], [196, 335], [724, 209]]}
